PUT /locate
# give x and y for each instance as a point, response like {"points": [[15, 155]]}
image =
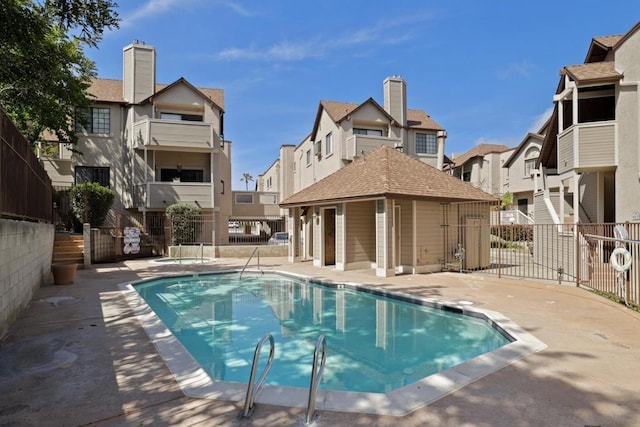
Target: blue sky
{"points": [[485, 70]]}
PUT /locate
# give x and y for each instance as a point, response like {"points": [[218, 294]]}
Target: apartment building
{"points": [[153, 144], [592, 146], [342, 132], [482, 166]]}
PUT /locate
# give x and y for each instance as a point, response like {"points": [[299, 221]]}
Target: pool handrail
{"points": [[256, 249], [316, 377], [252, 389]]}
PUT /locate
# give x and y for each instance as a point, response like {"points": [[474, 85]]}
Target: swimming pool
{"points": [[378, 347]]}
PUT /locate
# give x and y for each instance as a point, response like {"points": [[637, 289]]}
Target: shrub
{"points": [[185, 223], [91, 202]]}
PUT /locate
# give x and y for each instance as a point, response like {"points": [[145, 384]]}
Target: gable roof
{"points": [[183, 81], [387, 173], [339, 111], [477, 151], [522, 146], [110, 90], [592, 72]]}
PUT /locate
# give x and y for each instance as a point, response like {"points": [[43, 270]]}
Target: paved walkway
{"points": [[78, 356]]}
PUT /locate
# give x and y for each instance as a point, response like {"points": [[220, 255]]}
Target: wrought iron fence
{"points": [[244, 231], [25, 187]]}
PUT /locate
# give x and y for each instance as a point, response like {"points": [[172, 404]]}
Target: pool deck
{"points": [[79, 356]]}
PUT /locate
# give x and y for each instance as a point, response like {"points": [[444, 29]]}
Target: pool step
{"points": [[68, 249]]}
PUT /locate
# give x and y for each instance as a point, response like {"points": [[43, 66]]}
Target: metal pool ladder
{"points": [[316, 376], [249, 260], [251, 389]]}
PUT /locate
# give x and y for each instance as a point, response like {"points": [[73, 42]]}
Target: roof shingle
{"points": [[386, 172], [110, 90], [592, 72], [479, 150]]}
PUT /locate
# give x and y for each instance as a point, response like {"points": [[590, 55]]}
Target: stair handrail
{"points": [[316, 377], [253, 389], [249, 260]]}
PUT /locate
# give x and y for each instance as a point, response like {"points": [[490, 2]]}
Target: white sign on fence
{"points": [[131, 240]]}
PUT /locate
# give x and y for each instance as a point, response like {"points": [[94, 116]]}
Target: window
{"points": [[97, 120], [530, 159], [328, 147], [181, 117], [269, 182], [268, 199], [92, 174], [426, 143], [308, 157], [466, 176], [363, 131], [244, 198]]}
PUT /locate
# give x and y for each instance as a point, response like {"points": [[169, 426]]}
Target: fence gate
{"points": [[475, 240], [107, 243]]}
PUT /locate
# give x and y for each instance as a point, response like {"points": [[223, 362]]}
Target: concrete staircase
{"points": [[68, 249]]}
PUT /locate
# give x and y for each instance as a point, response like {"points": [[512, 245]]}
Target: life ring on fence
{"points": [[614, 259]]}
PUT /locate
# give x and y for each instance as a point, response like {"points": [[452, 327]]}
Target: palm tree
{"points": [[246, 177]]}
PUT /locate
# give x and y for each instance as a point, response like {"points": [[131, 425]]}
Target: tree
{"points": [[246, 177], [44, 74], [186, 223], [91, 202]]}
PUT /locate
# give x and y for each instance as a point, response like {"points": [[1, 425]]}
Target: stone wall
{"points": [[25, 264]]}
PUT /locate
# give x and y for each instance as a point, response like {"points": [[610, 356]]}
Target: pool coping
{"points": [[195, 382]]}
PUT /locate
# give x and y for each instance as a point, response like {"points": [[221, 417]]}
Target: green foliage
{"points": [[506, 200], [44, 73], [186, 223], [91, 202]]}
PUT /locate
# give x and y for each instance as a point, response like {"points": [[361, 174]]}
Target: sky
{"points": [[484, 70]]}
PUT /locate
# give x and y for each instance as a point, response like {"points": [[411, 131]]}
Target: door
{"points": [[329, 236], [476, 244]]}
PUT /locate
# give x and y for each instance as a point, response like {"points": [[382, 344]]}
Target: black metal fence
{"points": [[25, 187]]}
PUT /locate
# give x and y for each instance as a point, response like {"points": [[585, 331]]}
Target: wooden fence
{"points": [[25, 187]]}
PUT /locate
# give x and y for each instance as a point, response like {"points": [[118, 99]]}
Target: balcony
{"points": [[159, 195], [173, 134], [358, 145], [587, 147]]}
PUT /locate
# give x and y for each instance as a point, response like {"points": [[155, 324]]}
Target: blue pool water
{"points": [[374, 344]]}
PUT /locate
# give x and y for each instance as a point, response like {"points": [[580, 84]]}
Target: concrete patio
{"points": [[78, 356]]}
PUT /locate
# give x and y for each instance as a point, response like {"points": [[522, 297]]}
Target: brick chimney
{"points": [[139, 72]]}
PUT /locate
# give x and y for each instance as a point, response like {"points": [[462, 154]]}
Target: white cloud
{"points": [[156, 7], [380, 34], [540, 120], [517, 69]]}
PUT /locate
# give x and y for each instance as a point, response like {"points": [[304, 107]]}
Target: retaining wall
{"points": [[26, 249]]}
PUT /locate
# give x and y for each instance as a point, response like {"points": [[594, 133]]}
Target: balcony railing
{"points": [[587, 146], [358, 145], [159, 195], [159, 133]]}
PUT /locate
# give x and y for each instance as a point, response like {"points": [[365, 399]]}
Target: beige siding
{"points": [[360, 225], [157, 133], [406, 231], [261, 206], [163, 194], [596, 146], [144, 77], [358, 145], [317, 237], [565, 152], [589, 197], [429, 234]]}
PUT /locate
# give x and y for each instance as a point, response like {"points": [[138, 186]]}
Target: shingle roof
{"points": [[608, 41], [479, 150], [592, 72], [416, 119], [110, 90], [387, 173]]}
